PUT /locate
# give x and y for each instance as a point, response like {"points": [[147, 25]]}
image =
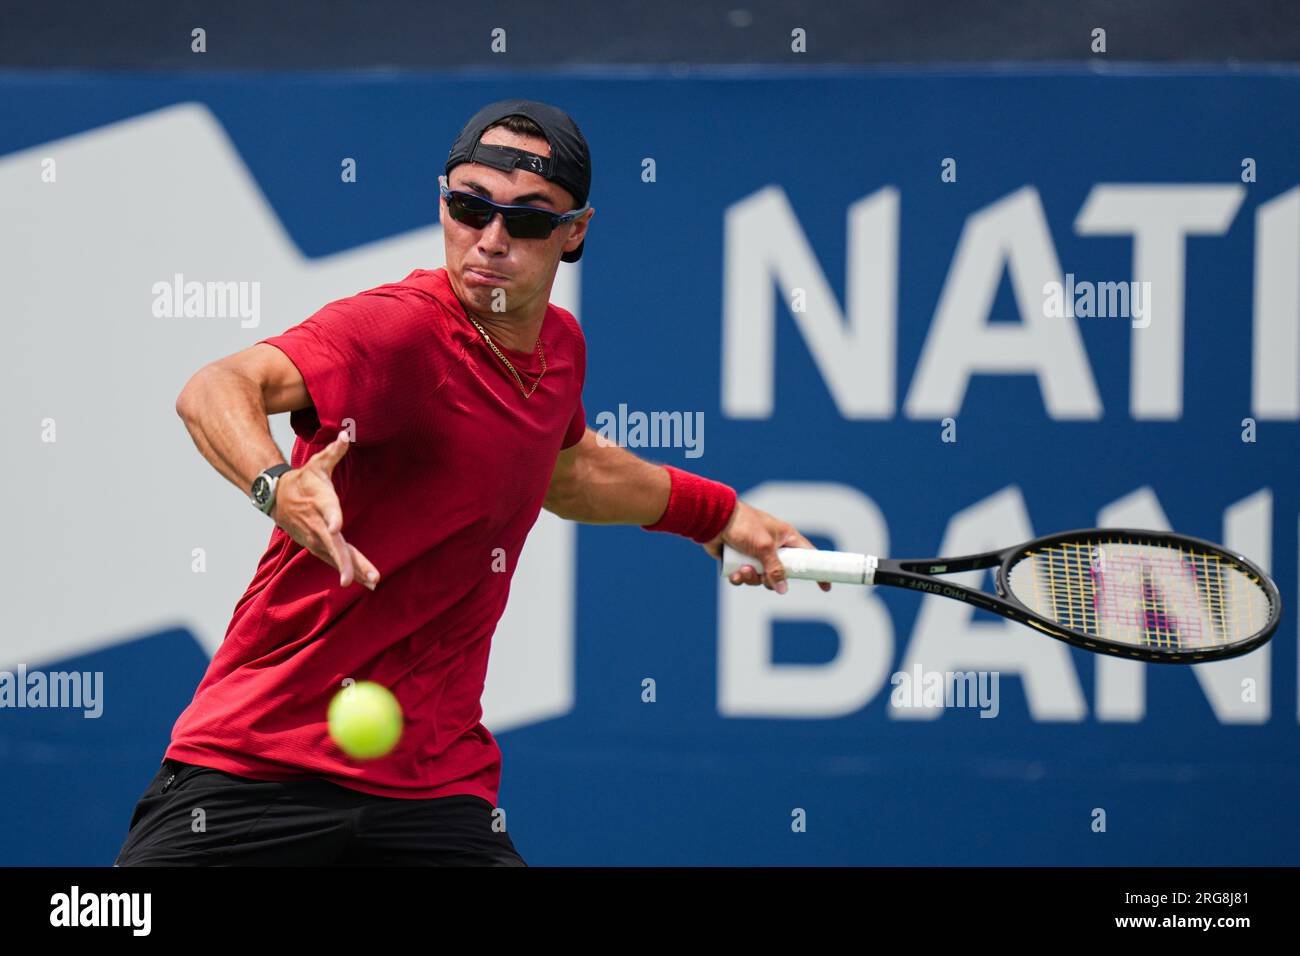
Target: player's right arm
{"points": [[225, 406]]}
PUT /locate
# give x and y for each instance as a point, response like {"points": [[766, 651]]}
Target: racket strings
{"points": [[1164, 596]]}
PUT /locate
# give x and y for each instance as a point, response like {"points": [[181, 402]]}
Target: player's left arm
{"points": [[598, 482]]}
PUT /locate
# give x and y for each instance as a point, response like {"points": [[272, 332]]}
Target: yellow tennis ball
{"points": [[365, 720]]}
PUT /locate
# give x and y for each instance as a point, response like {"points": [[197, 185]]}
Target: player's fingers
{"points": [[366, 572], [343, 552], [773, 570], [323, 505], [799, 541], [332, 549], [331, 512], [746, 575], [331, 454]]}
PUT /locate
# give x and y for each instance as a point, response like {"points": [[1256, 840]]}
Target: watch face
{"points": [[261, 489]]}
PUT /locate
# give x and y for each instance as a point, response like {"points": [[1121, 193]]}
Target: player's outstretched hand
{"points": [[308, 509], [755, 532]]}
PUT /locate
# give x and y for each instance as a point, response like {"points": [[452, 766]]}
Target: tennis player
{"points": [[434, 417]]}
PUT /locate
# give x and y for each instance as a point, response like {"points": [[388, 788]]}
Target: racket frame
{"points": [[918, 574]]}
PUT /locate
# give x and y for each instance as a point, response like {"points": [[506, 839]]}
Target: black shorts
{"points": [[198, 816]]}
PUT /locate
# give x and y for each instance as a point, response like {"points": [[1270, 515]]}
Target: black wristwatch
{"points": [[263, 494]]}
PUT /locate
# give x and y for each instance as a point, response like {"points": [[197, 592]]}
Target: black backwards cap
{"points": [[569, 164]]}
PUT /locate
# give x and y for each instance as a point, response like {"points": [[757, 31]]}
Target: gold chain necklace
{"points": [[540, 354]]}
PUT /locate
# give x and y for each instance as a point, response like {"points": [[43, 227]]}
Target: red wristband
{"points": [[697, 508]]}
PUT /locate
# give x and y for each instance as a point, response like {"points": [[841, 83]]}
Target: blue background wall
{"points": [[620, 781]]}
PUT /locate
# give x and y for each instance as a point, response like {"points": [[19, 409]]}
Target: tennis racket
{"points": [[1147, 595]]}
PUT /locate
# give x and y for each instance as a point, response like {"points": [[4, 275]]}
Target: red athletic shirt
{"points": [[450, 462]]}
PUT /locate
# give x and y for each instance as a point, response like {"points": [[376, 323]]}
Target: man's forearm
{"points": [[225, 414], [610, 485]]}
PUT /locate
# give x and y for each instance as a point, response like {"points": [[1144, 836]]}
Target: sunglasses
{"points": [[522, 222]]}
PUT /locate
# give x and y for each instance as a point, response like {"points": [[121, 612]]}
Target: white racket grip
{"points": [[807, 564]]}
